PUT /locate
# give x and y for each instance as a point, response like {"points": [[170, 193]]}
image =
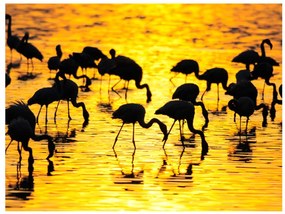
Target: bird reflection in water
{"points": [[130, 177], [24, 185], [176, 175], [241, 151]]}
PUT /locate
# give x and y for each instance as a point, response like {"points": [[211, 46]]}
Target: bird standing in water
{"points": [[182, 110], [54, 61], [190, 92], [29, 51], [244, 107], [185, 66], [132, 113], [20, 110], [12, 40]]}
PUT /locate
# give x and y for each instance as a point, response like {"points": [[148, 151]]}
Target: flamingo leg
{"points": [[8, 146], [181, 134], [39, 114], [173, 77], [134, 135], [126, 92], [114, 89], [46, 113], [169, 133], [69, 117], [118, 136], [247, 119], [240, 125], [262, 98]]}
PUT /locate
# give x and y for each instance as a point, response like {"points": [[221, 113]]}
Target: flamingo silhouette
{"points": [[247, 89], [29, 51], [265, 58], [54, 61], [274, 102], [182, 110], [214, 75], [185, 66], [20, 110], [12, 40], [61, 90], [70, 66], [127, 69], [243, 75], [244, 107], [190, 92], [248, 57], [132, 113]]}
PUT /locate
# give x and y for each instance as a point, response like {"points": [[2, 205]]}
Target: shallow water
{"points": [[238, 173]]}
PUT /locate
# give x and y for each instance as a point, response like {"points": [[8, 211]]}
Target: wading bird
{"points": [[127, 69], [244, 107], [185, 66], [20, 110], [12, 40], [182, 110], [190, 92], [54, 61], [29, 51], [132, 113]]}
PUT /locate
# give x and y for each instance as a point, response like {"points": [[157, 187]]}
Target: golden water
{"points": [[88, 174]]}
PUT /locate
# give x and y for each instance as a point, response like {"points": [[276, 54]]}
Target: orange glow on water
{"points": [[88, 175]]}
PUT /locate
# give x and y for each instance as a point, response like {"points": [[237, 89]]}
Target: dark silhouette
{"points": [[132, 113], [127, 69], [29, 51], [248, 57], [190, 92], [61, 90], [84, 61], [182, 110], [243, 75], [54, 61], [70, 66], [12, 40], [247, 89], [274, 102], [214, 75], [185, 66], [263, 57], [20, 110], [244, 107]]}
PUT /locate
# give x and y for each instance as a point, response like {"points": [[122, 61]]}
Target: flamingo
{"points": [[189, 92], [127, 69], [20, 110], [248, 57], [84, 61], [185, 66], [70, 66], [54, 61], [61, 90], [12, 40], [29, 50], [274, 102], [243, 75], [244, 107], [263, 57], [182, 110], [132, 113], [247, 89], [214, 75]]}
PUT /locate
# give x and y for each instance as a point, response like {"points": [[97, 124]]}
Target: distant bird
{"points": [[29, 50], [264, 70], [84, 61], [248, 57], [190, 92], [214, 75], [132, 113], [263, 57], [185, 66], [95, 55], [20, 110], [61, 90], [244, 107], [127, 69], [54, 61], [12, 40], [182, 110], [70, 66], [247, 89]]}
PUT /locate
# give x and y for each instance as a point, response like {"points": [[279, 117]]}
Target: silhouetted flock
{"points": [[21, 121]]}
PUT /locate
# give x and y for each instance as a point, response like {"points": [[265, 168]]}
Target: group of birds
{"points": [[180, 108]]}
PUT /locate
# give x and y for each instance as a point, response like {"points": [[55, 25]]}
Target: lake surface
{"points": [[239, 173]]}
